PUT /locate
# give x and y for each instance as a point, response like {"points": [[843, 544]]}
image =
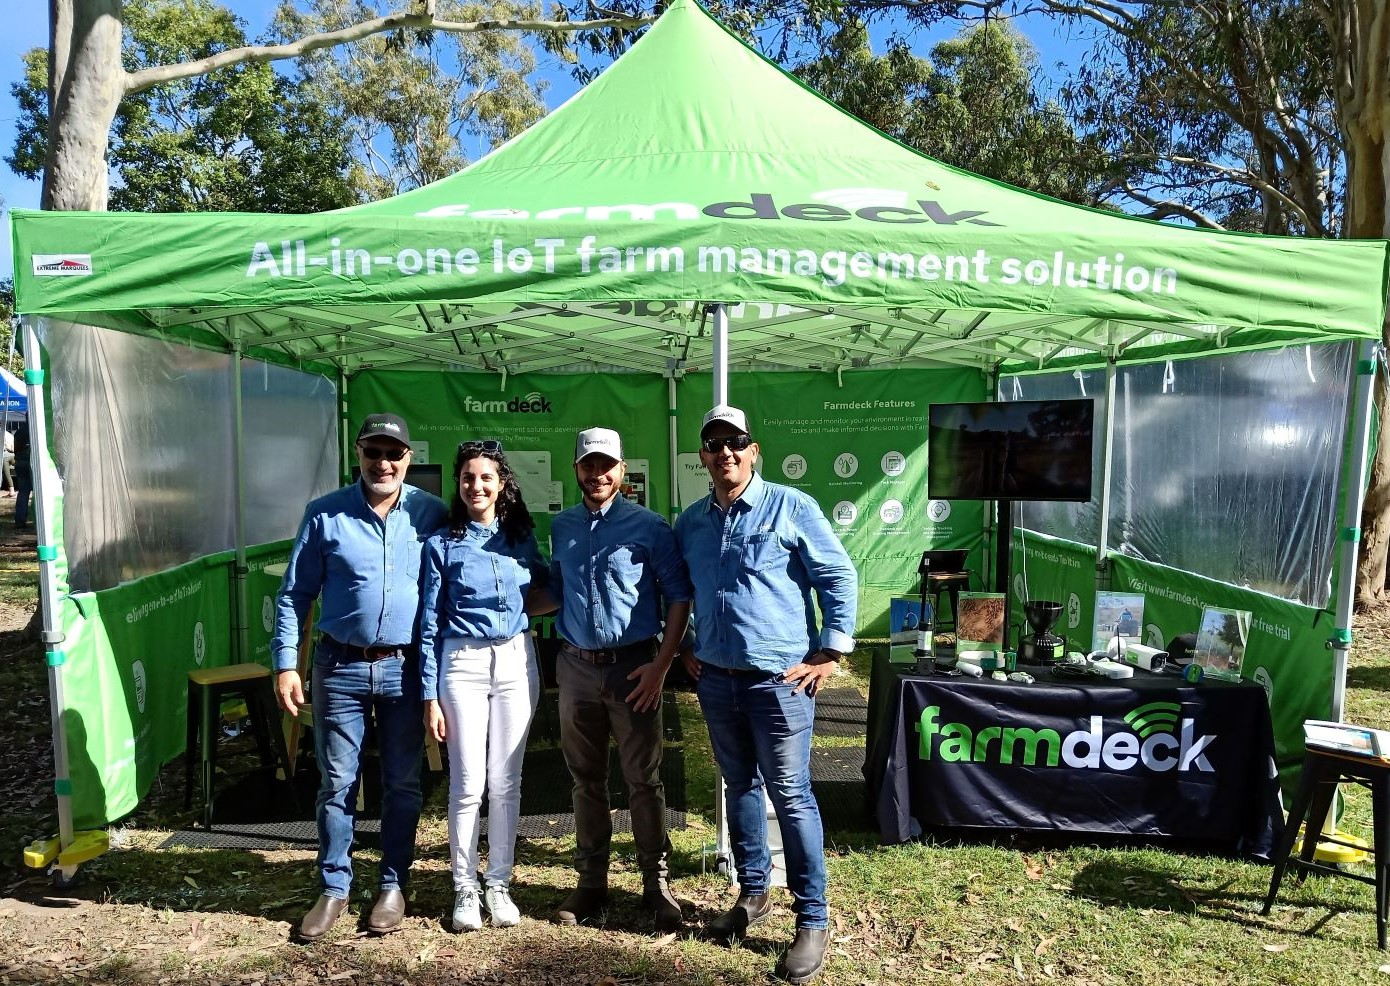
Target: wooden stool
{"points": [[207, 687], [949, 583], [1322, 772]]}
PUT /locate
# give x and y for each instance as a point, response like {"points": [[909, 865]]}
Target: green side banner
{"points": [[125, 680]]}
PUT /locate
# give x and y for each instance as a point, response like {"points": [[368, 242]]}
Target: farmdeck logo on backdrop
{"points": [[1158, 739], [875, 205], [532, 403], [62, 264]]}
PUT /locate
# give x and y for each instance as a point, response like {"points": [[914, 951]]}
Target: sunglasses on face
{"points": [[486, 445], [734, 443], [374, 452]]}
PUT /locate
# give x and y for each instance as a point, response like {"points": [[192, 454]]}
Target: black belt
{"points": [[351, 652], [612, 655], [735, 672]]}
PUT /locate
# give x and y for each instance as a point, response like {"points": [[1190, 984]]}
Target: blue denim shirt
{"points": [[366, 570], [610, 577], [475, 586], [754, 569]]}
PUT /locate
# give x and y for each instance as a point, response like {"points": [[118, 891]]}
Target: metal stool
{"points": [[1322, 772], [949, 584], [207, 687]]}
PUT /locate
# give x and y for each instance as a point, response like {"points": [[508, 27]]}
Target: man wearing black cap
{"points": [[358, 553], [758, 552], [618, 578]]}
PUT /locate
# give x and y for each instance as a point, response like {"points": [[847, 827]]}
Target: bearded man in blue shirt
{"points": [[757, 553], [358, 552], [619, 580]]}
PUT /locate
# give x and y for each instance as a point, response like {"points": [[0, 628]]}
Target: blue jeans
{"points": [[760, 730], [344, 694]]}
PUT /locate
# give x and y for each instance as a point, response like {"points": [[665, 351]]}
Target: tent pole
{"points": [[52, 632], [1355, 486], [720, 318], [1107, 438], [241, 641], [9, 365], [342, 425], [674, 472]]}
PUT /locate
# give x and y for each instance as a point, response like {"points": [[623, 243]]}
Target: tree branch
{"points": [[155, 75]]}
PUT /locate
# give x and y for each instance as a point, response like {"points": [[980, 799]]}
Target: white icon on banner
{"points": [[846, 465], [793, 467], [137, 671], [891, 512], [267, 613], [200, 644], [938, 511], [845, 513], [893, 463]]}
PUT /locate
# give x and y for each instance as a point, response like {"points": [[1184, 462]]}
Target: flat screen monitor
{"points": [[429, 478], [1010, 450]]}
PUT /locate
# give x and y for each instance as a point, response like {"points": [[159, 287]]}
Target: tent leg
{"points": [[1103, 572], [241, 640], [1362, 413], [719, 318]]}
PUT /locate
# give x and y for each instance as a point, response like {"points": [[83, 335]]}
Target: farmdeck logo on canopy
{"points": [[532, 403], [1159, 739]]}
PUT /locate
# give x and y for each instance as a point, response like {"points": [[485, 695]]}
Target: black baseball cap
{"points": [[391, 426]]}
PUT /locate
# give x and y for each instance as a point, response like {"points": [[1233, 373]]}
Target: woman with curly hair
{"points": [[479, 676]]}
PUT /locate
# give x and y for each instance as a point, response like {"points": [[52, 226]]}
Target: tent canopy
{"points": [[695, 171]]}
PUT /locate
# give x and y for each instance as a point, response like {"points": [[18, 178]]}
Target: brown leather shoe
{"points": [[321, 917], [658, 900], [806, 955], [583, 904], [387, 912], [747, 911]]}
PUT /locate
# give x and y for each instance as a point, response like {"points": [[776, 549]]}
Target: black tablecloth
{"points": [[1151, 756]]}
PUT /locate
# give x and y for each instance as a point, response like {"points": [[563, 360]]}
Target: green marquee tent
{"points": [[692, 175]]}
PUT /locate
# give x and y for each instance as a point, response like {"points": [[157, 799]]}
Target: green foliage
{"points": [[973, 105], [415, 103], [241, 139]]}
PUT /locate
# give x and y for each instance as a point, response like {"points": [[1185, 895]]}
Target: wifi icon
{"points": [[1156, 717]]}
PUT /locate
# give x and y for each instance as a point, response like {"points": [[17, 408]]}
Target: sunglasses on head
{"points": [[486, 445], [734, 443], [393, 454]]}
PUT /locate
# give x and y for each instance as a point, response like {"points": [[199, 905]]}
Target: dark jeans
{"points": [[592, 708]]}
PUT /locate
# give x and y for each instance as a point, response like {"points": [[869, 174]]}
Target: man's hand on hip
{"points": [[811, 673], [289, 691]]}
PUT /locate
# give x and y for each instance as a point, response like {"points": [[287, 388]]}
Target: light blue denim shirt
{"points": [[754, 569], [475, 586], [614, 577], [366, 571]]}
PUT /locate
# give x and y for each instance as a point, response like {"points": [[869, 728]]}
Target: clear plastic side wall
{"points": [[142, 433], [1225, 466]]}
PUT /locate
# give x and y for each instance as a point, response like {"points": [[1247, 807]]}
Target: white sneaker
{"points": [[499, 905], [467, 916]]}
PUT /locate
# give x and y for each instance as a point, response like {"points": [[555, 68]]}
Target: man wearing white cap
{"points": [[757, 553], [614, 571]]}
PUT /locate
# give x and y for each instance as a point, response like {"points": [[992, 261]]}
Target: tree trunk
{"points": [[86, 85]]}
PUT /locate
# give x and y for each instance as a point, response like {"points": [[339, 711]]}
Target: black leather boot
{"points": [[747, 911], [806, 955], [658, 900], [582, 905]]}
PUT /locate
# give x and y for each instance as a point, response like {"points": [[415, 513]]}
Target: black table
{"points": [[1150, 756]]}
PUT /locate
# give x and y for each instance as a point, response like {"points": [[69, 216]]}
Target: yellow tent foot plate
{"points": [[85, 846], [1340, 855], [40, 853]]}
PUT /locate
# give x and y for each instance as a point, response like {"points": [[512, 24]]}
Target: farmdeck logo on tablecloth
{"points": [[1159, 741]]}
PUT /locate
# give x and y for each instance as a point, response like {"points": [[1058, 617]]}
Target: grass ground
{"points": [[1008, 910]]}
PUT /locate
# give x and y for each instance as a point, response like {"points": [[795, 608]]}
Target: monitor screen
{"points": [[1014, 450], [429, 478]]}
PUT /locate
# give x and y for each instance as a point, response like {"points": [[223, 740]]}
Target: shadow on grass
{"points": [[1375, 677]]}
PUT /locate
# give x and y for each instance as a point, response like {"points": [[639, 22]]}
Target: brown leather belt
{"points": [[612, 655]]}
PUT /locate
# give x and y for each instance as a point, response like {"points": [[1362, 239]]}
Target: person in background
{"points": [[9, 463], [478, 670], [757, 554], [620, 582], [23, 475], [358, 552]]}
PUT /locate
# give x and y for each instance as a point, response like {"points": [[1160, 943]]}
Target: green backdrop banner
{"points": [[128, 654]]}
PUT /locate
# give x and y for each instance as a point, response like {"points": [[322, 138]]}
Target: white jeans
{"points": [[488, 694]]}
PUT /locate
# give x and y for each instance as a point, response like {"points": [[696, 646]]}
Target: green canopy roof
{"points": [[695, 171]]}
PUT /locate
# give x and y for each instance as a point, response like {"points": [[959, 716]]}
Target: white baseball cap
{"points": [[727, 414], [598, 441]]}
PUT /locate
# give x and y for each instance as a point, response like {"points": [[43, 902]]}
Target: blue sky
{"points": [[27, 27]]}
